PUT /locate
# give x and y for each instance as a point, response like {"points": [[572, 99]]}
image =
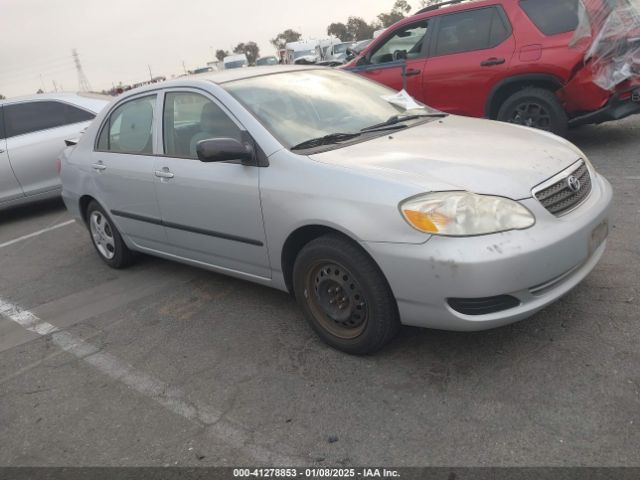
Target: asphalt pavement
{"points": [[164, 364]]}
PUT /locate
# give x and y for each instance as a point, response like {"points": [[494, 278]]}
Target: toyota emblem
{"points": [[574, 184]]}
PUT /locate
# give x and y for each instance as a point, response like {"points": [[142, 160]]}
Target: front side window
{"points": [[469, 31], [29, 117], [406, 43], [129, 128], [301, 105], [190, 118], [552, 17]]}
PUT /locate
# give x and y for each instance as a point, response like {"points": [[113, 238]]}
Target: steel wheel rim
{"points": [[102, 235], [336, 299], [531, 114]]}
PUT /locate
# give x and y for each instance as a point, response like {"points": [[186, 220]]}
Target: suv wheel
{"points": [[344, 296], [537, 108], [106, 238]]}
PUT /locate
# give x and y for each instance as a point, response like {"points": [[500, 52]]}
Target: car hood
{"points": [[458, 153]]}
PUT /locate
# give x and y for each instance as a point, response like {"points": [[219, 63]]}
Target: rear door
{"points": [[122, 168], [211, 211], [400, 59], [470, 53], [36, 131], [9, 187]]}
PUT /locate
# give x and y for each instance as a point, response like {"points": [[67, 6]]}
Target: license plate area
{"points": [[598, 236]]}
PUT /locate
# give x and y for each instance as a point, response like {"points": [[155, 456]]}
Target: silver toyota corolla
{"points": [[373, 210], [32, 134]]}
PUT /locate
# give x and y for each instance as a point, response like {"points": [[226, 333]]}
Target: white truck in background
{"points": [[310, 51]]}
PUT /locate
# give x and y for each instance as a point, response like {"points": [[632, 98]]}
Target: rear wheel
{"points": [[536, 108], [106, 238], [344, 296]]}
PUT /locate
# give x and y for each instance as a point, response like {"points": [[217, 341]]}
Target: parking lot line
{"points": [[160, 392], [35, 234]]}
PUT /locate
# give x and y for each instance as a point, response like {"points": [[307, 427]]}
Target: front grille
{"points": [[483, 306], [559, 197]]}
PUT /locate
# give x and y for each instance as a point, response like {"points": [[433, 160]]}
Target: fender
{"points": [[522, 78]]}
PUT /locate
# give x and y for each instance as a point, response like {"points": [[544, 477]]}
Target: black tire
{"points": [[364, 315], [537, 108], [108, 241]]}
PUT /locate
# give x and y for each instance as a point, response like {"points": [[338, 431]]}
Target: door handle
{"points": [[99, 167], [490, 62], [164, 173], [412, 72]]}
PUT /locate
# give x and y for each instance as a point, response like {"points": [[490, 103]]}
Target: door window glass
{"points": [[29, 117], [406, 43], [129, 128], [190, 118], [469, 31]]}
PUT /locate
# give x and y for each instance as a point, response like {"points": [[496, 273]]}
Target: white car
{"points": [[33, 131]]}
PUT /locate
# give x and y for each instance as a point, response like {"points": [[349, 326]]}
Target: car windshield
{"points": [[301, 105]]}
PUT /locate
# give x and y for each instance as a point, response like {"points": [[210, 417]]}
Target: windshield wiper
{"points": [[330, 139], [397, 119]]}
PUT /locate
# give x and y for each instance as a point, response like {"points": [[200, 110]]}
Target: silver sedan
{"points": [[32, 134], [371, 209]]}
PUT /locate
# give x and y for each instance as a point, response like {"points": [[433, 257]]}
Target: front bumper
{"points": [[537, 266], [620, 106]]}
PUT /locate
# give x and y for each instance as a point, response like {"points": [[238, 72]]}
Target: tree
{"points": [[285, 37], [2, 97], [428, 3], [398, 12], [250, 49], [220, 54], [359, 29], [339, 30]]}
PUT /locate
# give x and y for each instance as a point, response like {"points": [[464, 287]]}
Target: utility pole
{"points": [[83, 82], [42, 83], [184, 67], [55, 87], [150, 74]]}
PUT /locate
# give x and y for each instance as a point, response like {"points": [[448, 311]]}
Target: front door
{"points": [[400, 60], [211, 211], [122, 168]]}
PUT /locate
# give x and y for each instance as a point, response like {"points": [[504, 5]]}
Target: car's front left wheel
{"points": [[344, 295], [106, 238]]}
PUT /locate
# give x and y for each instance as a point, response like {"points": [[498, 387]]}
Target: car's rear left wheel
{"points": [[537, 108], [106, 238]]}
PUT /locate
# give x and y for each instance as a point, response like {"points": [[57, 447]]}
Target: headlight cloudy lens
{"points": [[464, 214]]}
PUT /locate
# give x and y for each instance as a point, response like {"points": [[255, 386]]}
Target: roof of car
{"points": [[232, 74], [77, 98]]}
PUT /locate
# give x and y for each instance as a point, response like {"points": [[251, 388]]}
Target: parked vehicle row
{"points": [[511, 60], [32, 135], [362, 203]]}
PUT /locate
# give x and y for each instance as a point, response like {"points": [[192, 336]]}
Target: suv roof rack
{"points": [[436, 6]]}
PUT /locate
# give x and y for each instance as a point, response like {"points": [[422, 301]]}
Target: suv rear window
{"points": [[552, 16]]}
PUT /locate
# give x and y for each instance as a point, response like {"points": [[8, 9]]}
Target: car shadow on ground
{"points": [[31, 211]]}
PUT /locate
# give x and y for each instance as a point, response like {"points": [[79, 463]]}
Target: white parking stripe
{"points": [[162, 393], [35, 234]]}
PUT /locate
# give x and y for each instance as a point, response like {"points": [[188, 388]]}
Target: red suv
{"points": [[509, 60]]}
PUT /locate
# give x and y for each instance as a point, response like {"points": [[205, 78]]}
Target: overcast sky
{"points": [[117, 39]]}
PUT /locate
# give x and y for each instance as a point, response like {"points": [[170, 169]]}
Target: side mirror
{"points": [[224, 150]]}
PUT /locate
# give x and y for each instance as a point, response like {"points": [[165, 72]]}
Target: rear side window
{"points": [[129, 128], [552, 16], [1, 124], [470, 30], [29, 117]]}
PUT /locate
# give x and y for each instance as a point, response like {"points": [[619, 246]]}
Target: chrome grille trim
{"points": [[555, 194]]}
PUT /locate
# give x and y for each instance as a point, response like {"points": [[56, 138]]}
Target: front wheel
{"points": [[344, 296], [106, 239], [536, 108]]}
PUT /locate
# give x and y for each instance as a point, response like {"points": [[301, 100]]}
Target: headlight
{"points": [[462, 214]]}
